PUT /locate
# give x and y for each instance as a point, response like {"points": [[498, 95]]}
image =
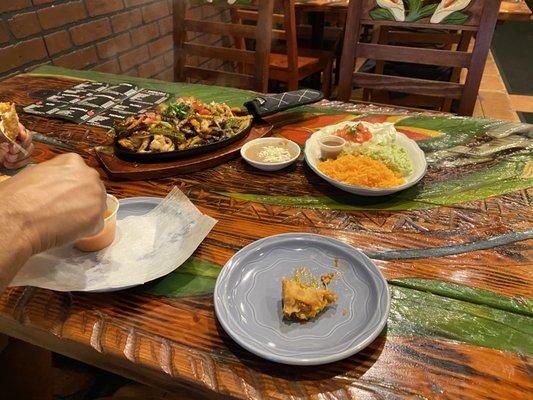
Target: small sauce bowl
{"points": [[107, 235], [249, 153], [331, 146]]}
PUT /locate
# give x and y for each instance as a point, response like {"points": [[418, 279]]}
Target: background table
{"points": [[509, 10], [317, 9], [456, 251]]}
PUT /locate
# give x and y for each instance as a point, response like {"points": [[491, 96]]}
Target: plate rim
{"points": [[128, 200], [364, 190], [295, 360]]}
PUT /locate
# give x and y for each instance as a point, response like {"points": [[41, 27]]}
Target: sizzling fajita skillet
{"points": [[187, 127]]}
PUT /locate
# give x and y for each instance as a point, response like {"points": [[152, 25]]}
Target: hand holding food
{"points": [[16, 144], [56, 201], [11, 156]]}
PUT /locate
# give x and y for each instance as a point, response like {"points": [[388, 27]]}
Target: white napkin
{"points": [[145, 248]]}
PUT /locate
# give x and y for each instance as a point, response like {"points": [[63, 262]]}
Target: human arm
{"points": [[15, 249], [45, 206]]}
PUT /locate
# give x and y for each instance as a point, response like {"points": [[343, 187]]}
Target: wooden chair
{"points": [[478, 18], [288, 62], [331, 40], [445, 40], [256, 64], [187, 44]]}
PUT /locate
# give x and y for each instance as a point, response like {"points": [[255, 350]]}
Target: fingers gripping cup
{"points": [[106, 236]]}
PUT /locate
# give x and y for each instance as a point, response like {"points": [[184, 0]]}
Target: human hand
{"points": [[11, 157], [57, 201]]}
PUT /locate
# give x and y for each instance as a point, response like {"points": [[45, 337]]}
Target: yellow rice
{"points": [[360, 170]]}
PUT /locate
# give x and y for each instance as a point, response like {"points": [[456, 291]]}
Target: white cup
{"points": [[331, 146]]}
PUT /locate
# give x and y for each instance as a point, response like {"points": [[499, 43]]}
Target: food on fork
{"points": [[9, 121], [304, 297]]}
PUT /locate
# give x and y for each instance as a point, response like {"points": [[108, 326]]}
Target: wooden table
{"points": [[514, 11], [317, 9], [509, 10], [456, 251]]}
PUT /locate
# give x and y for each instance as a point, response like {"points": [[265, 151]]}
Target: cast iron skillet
{"points": [[258, 107], [129, 155]]}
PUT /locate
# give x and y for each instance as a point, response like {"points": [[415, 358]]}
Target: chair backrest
{"points": [[449, 17], [284, 27], [188, 29], [291, 34]]}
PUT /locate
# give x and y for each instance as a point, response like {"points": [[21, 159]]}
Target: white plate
{"points": [[418, 160]]}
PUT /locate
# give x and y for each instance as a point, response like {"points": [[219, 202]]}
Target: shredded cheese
{"points": [[274, 154], [360, 170]]}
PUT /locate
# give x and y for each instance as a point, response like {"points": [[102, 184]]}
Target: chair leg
{"points": [[337, 69], [326, 79], [446, 105], [292, 83]]}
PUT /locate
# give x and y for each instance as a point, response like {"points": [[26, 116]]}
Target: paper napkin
{"points": [[145, 248]]}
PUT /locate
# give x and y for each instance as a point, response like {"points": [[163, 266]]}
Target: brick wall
{"points": [[132, 37]]}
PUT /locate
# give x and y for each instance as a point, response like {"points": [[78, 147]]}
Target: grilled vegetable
{"points": [[181, 125]]}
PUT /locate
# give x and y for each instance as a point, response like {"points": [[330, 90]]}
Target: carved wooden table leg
{"points": [[25, 372]]}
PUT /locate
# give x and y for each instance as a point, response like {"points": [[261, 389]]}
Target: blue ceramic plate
{"points": [[137, 206], [248, 300]]}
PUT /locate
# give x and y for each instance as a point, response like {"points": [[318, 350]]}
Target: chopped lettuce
{"points": [[382, 147], [392, 155]]}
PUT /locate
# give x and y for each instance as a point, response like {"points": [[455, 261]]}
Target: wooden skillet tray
{"points": [[135, 166], [117, 168]]}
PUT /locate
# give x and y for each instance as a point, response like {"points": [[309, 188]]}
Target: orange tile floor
{"points": [[493, 99]]}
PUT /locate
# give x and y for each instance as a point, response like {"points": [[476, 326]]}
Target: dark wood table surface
{"points": [[456, 251]]}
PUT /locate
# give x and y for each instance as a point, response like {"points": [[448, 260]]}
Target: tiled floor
{"points": [[521, 103], [493, 99]]}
